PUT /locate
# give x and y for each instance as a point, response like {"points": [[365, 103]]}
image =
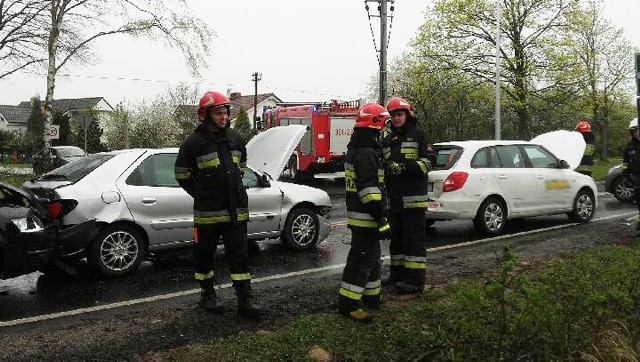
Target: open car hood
{"points": [[269, 151], [566, 145]]}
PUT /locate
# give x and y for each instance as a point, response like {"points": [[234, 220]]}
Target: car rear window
{"points": [[446, 157], [77, 169]]}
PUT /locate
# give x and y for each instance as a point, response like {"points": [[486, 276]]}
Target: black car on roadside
{"points": [[30, 237]]}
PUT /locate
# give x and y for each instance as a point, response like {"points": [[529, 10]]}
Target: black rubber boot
{"points": [[353, 310], [389, 281], [208, 299], [406, 288], [372, 301], [246, 307]]}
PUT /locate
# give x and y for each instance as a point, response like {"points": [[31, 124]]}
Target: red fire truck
{"points": [[323, 147]]}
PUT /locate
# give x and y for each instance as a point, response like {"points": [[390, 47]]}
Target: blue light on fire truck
{"points": [[314, 108]]}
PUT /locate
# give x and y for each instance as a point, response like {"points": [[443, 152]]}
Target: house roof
{"points": [[64, 105], [237, 101], [246, 102], [15, 114]]}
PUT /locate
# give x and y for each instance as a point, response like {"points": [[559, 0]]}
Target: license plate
{"points": [[429, 186]]}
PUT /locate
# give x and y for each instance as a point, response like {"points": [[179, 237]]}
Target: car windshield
{"points": [[71, 152], [446, 156], [77, 169]]}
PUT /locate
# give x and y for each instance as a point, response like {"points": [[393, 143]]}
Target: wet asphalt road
{"points": [[38, 294]]}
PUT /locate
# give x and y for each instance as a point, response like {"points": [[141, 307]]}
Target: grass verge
{"points": [[585, 307], [13, 179], [600, 167]]}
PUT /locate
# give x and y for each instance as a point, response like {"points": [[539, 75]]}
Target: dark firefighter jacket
{"points": [[364, 180], [210, 167], [407, 145], [586, 164], [631, 159]]}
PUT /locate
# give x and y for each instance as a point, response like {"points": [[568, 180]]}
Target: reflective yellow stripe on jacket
{"points": [[216, 217]]}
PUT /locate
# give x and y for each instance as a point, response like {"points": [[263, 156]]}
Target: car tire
{"points": [[491, 217], [622, 189], [117, 251], [302, 229], [583, 207]]}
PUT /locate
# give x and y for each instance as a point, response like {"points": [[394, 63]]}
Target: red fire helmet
{"points": [[583, 127], [212, 100], [397, 103], [371, 115]]}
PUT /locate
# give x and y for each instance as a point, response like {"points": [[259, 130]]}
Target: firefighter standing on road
{"points": [[364, 185], [586, 164], [406, 167], [209, 167], [631, 165]]}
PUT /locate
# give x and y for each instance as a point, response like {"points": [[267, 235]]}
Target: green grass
{"points": [[16, 180], [600, 167], [586, 307], [16, 165]]}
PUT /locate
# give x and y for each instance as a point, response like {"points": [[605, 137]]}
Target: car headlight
{"points": [[28, 224]]}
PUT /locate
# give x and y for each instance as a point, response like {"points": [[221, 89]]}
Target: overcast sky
{"points": [[305, 50]]}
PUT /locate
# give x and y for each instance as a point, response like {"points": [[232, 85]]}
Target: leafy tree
{"points": [[35, 126], [460, 35], [603, 62], [243, 126], [65, 135], [117, 132]]}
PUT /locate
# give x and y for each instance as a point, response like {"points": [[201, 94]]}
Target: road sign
{"points": [[52, 133]]}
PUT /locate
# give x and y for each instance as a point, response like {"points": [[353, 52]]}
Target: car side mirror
{"points": [[564, 164], [263, 181]]}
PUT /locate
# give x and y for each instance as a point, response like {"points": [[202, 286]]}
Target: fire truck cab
{"points": [[323, 147]]}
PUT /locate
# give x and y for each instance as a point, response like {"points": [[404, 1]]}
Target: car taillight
{"points": [[54, 210], [454, 181], [57, 208]]}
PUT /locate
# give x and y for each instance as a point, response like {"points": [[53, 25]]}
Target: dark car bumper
{"points": [[28, 252]]}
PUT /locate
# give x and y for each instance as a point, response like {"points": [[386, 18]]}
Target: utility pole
{"points": [[383, 52], [497, 124], [384, 37], [256, 77]]}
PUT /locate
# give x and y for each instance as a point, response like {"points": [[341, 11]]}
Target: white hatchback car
{"points": [[491, 182], [139, 206]]}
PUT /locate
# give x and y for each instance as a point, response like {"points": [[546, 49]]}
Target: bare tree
{"points": [[74, 25], [22, 35]]}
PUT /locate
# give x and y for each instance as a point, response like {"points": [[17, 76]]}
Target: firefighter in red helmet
{"points": [[364, 186], [405, 152], [586, 164], [209, 167]]}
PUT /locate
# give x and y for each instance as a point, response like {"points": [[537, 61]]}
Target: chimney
{"points": [[235, 95], [228, 92]]}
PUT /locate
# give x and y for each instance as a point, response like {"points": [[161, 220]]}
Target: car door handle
{"points": [[540, 177], [503, 177], [149, 200]]}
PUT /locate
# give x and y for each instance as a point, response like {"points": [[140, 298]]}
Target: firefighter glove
{"points": [[395, 168], [384, 229]]}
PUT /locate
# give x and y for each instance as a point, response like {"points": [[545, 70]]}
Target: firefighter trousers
{"points": [[361, 275], [408, 247], [235, 248]]}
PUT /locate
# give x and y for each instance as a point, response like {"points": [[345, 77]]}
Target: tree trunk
{"points": [[52, 48]]}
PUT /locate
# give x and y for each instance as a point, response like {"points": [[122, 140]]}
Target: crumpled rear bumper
{"points": [[76, 238]]}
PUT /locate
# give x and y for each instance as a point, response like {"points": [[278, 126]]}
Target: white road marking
{"points": [[80, 311]]}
